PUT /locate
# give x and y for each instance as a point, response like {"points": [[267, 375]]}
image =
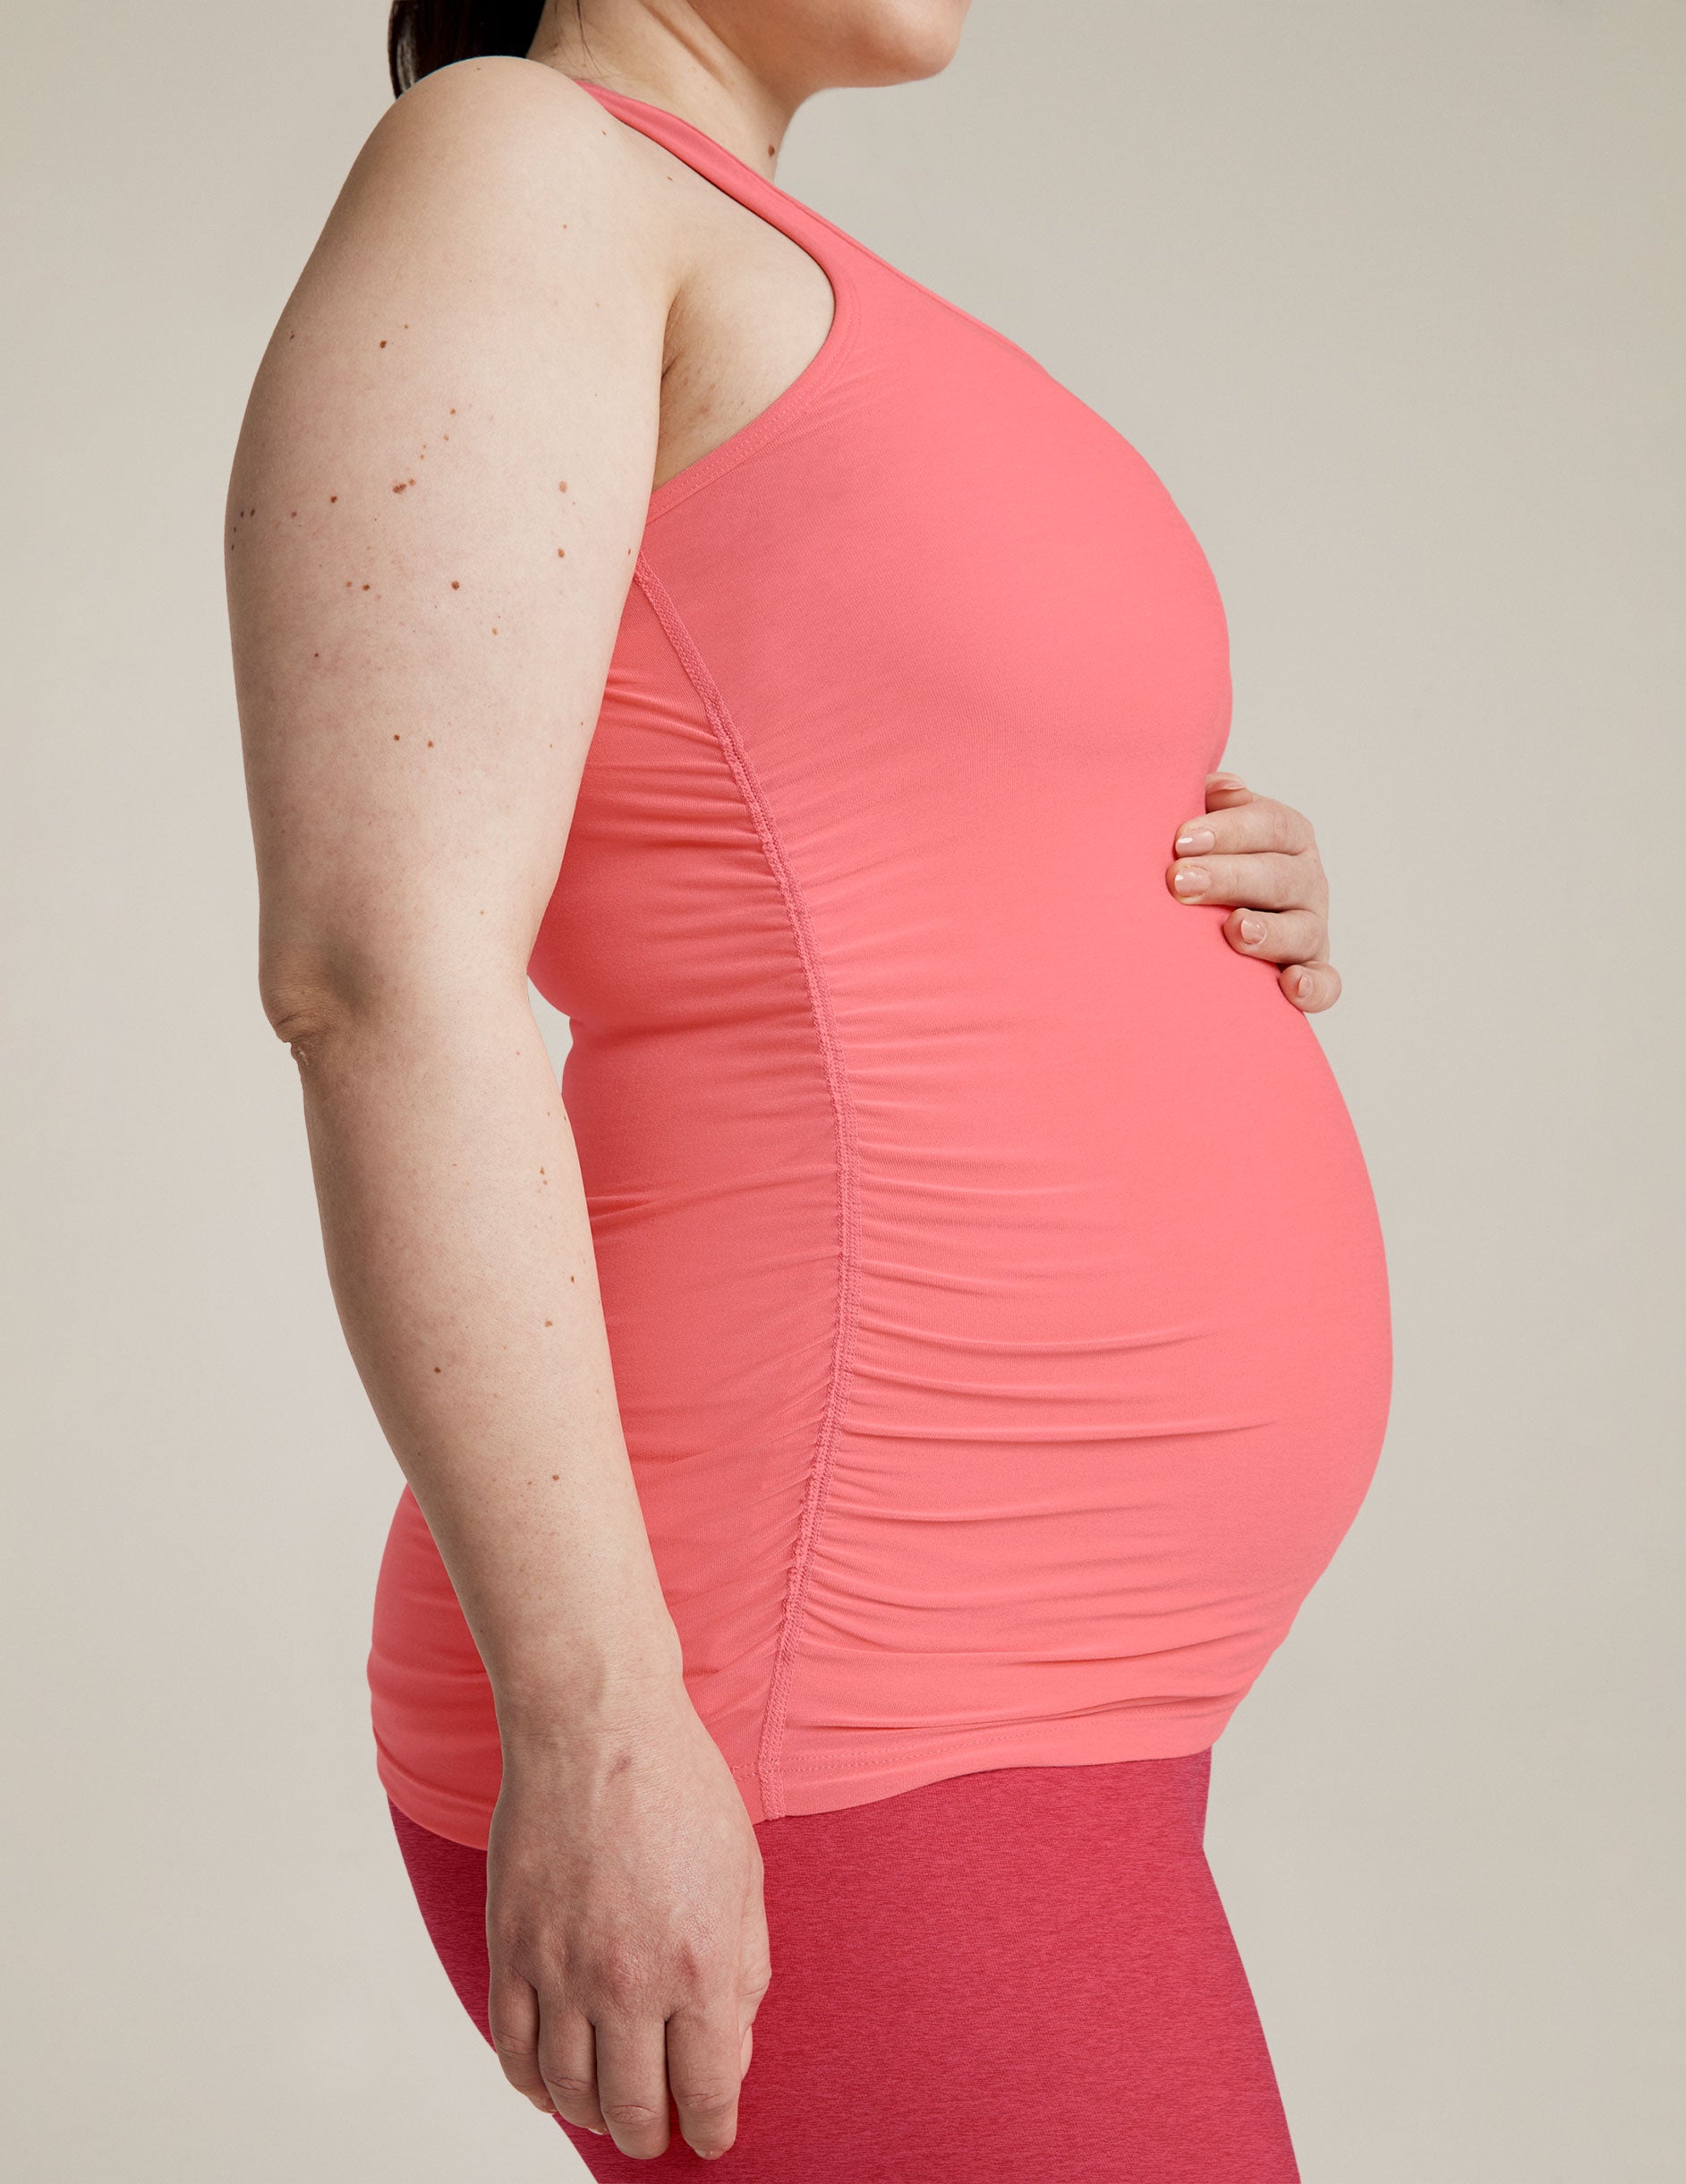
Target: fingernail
{"points": [[1252, 929], [1228, 780], [1303, 984], [1196, 841], [1194, 881]]}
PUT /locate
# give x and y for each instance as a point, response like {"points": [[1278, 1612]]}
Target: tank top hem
{"points": [[828, 1784]]}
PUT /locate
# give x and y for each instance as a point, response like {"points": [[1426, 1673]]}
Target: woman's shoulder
{"points": [[491, 272], [499, 164], [499, 113]]}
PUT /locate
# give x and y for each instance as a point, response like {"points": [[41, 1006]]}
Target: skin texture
{"points": [[519, 318]]}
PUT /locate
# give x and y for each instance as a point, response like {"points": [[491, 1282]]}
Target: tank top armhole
{"points": [[826, 246]]}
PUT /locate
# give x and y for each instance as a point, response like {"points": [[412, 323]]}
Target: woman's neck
{"points": [[660, 51]]}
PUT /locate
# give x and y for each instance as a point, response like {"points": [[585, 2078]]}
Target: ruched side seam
{"points": [[770, 1755]]}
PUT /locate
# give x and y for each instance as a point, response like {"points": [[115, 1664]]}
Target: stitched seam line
{"points": [[770, 1756]]}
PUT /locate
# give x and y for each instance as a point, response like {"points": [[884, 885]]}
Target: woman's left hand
{"points": [[1262, 857]]}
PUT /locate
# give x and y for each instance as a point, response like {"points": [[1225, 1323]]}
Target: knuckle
{"points": [[692, 1961], [704, 1969], [629, 2115], [618, 1997], [706, 2100], [569, 2088], [618, 1978], [510, 1940]]}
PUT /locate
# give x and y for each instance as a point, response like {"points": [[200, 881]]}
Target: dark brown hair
{"points": [[423, 35]]}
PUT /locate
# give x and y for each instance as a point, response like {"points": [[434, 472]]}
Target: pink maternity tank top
{"points": [[993, 1284]]}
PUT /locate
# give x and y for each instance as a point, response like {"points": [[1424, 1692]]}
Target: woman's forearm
{"points": [[459, 1250]]}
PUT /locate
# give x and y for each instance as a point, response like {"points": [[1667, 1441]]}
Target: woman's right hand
{"points": [[627, 1938]]}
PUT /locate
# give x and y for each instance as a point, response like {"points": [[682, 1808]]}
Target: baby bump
{"points": [[1082, 1311], [1152, 1383], [1120, 1401], [1043, 1374]]}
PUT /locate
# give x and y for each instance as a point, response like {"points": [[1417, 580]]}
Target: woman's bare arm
{"points": [[438, 492]]}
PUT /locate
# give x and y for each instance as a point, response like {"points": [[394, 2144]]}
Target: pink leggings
{"points": [[1001, 1977]]}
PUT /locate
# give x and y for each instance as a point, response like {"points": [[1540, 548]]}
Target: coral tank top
{"points": [[994, 1289]]}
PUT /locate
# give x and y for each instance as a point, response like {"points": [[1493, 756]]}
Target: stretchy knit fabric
{"points": [[993, 1285], [997, 1978]]}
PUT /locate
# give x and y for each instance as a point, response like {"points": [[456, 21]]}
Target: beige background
{"points": [[1390, 296]]}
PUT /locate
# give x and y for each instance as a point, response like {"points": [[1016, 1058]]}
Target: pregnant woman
{"points": [[867, 1435]]}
